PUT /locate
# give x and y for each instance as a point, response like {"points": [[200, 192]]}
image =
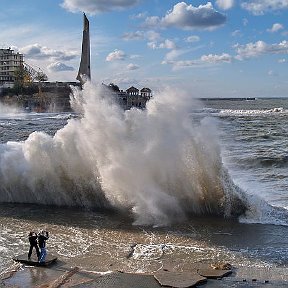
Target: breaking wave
{"points": [[157, 162], [261, 112], [8, 110]]}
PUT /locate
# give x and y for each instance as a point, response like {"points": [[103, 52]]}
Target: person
{"points": [[33, 244], [42, 237]]}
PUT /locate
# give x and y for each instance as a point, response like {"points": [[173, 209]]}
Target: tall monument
{"points": [[84, 72]]}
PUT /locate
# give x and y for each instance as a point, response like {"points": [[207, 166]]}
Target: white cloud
{"points": [[132, 66], [94, 7], [259, 7], [245, 22], [214, 59], [139, 16], [152, 21], [186, 16], [116, 55], [182, 64], [152, 45], [203, 61], [258, 48], [36, 51], [135, 56], [152, 35], [192, 39], [236, 33], [174, 54], [283, 60], [225, 4], [167, 44], [59, 66], [141, 35], [137, 35], [275, 28]]}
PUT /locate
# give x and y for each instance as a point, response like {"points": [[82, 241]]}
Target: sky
{"points": [[222, 48]]}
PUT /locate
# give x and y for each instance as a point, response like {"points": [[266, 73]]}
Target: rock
{"points": [[221, 266], [179, 279], [33, 261], [213, 273]]}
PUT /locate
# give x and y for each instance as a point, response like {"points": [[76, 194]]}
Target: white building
{"points": [[9, 62]]}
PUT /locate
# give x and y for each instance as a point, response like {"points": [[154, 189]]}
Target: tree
{"points": [[20, 74], [40, 77], [114, 87]]}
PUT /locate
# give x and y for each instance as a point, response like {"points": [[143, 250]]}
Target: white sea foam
{"points": [[259, 211], [233, 112], [8, 110], [156, 162]]}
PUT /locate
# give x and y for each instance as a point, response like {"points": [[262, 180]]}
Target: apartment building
{"points": [[9, 62]]}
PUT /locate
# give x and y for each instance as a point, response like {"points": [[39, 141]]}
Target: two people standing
{"points": [[40, 240]]}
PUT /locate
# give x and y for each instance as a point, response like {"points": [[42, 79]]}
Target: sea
{"points": [[185, 181]]}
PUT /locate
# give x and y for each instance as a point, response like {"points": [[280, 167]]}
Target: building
{"points": [[132, 97], [146, 92], [138, 98], [9, 63], [132, 91]]}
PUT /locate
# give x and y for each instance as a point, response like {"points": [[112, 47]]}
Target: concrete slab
{"points": [[121, 280], [67, 277], [179, 279], [50, 259]]}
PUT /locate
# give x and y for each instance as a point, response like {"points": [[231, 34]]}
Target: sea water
{"points": [[140, 189]]}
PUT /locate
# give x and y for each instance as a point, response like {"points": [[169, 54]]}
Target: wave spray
{"points": [[158, 163]]}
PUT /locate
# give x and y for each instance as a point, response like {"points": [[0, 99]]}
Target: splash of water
{"points": [[157, 162], [8, 110]]}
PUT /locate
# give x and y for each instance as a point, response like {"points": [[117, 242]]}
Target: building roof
{"points": [[132, 88], [145, 90]]}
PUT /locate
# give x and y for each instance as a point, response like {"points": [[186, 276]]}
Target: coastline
{"points": [[101, 242], [64, 275]]}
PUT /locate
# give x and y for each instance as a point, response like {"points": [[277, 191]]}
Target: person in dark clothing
{"points": [[33, 244], [42, 237]]}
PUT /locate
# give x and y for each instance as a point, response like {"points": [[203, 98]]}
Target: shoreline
{"points": [[64, 275], [101, 242]]}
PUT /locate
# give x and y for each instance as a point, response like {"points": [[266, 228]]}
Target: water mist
{"points": [[158, 162]]}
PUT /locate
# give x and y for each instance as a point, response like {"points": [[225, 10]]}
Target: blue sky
{"points": [[223, 48]]}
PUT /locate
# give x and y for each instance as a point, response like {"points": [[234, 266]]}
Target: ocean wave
{"points": [[155, 163], [277, 161], [209, 110], [7, 123], [261, 212], [273, 111], [64, 116]]}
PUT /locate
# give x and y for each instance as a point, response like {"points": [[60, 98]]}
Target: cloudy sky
{"points": [[222, 48]]}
